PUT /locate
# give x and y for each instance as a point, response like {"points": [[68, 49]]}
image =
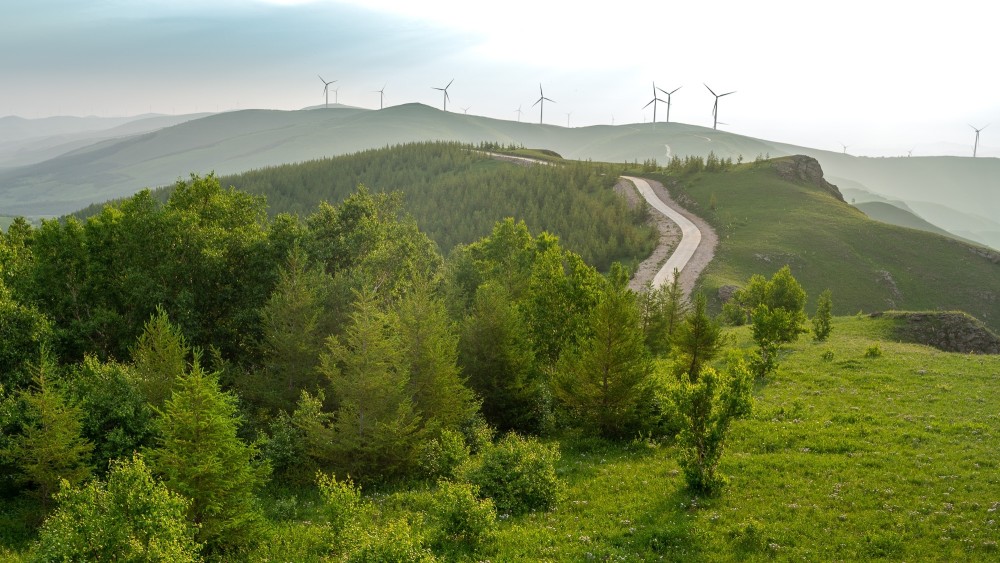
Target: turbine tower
{"points": [[569, 113], [975, 147], [653, 102], [541, 100], [381, 96], [715, 108], [518, 112], [446, 97], [670, 93], [326, 91]]}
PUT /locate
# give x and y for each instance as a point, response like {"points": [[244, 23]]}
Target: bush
{"points": [[396, 542], [463, 522], [517, 473], [873, 351], [341, 500], [441, 456], [824, 316]]}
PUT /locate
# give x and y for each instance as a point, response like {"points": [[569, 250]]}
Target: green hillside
{"points": [[238, 141], [893, 215], [765, 221]]}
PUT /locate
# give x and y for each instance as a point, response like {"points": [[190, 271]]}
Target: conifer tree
{"points": [[824, 314], [51, 447], [200, 457], [376, 425], [696, 341], [159, 358], [605, 380]]}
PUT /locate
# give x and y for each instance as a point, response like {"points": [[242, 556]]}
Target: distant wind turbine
{"points": [[909, 153], [465, 110], [845, 147], [569, 113], [541, 100], [715, 108], [975, 147], [326, 91], [381, 96], [446, 97], [518, 112], [670, 93], [653, 102], [612, 119]]}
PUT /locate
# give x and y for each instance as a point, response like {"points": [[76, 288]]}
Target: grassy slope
{"points": [[893, 215], [854, 458], [765, 222]]}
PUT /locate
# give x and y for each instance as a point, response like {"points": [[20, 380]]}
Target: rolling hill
{"points": [[244, 140]]}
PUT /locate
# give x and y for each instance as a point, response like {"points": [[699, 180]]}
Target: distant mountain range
{"points": [[56, 166]]}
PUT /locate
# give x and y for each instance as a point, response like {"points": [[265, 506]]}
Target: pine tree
{"points": [[159, 358], [605, 380], [696, 341], [201, 458], [824, 314], [51, 447], [376, 425]]}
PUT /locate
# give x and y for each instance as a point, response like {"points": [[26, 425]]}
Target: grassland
{"points": [[848, 455], [764, 222]]}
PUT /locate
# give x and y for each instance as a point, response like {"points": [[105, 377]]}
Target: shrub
{"points": [[341, 500], [873, 351], [824, 315], [827, 356], [517, 473], [396, 541], [441, 456], [463, 522]]}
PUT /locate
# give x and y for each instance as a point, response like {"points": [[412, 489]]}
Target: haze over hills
{"points": [[955, 189]]}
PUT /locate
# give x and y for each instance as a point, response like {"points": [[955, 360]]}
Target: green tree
{"points": [[430, 347], [696, 341], [496, 354], [376, 427], [661, 310], [200, 457], [132, 517], [24, 331], [777, 316], [824, 316], [605, 381], [159, 358], [51, 447], [707, 407], [294, 325]]}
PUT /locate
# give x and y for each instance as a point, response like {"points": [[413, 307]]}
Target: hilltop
{"points": [[233, 142]]}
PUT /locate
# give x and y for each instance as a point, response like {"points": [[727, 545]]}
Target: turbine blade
{"points": [[675, 89], [449, 84], [710, 90], [727, 93], [649, 104], [537, 102]]}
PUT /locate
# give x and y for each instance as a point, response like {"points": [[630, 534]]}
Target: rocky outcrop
{"points": [[805, 169], [951, 331]]}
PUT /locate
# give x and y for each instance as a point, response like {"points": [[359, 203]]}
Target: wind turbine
{"points": [[446, 97], [465, 110], [541, 100], [715, 108], [518, 112], [569, 113], [975, 147], [670, 93], [326, 91], [845, 147], [381, 96], [653, 102]]}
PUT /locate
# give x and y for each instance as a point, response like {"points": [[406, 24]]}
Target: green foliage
{"points": [[342, 501], [51, 447], [496, 355], [200, 457], [394, 541], [661, 310], [131, 517], [429, 342], [24, 331], [822, 322], [696, 341], [604, 383], [517, 473], [159, 358], [708, 406], [116, 418], [776, 311], [873, 351], [462, 522], [441, 457], [376, 428]]}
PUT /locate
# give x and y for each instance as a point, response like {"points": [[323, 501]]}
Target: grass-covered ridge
{"points": [[765, 221]]}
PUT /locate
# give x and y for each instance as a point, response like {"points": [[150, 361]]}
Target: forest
{"points": [[176, 376]]}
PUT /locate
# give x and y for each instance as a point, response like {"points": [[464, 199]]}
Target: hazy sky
{"points": [[881, 76]]}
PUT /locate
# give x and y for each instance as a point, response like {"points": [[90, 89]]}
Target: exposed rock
{"points": [[885, 278], [726, 293], [951, 331], [805, 169], [987, 253]]}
